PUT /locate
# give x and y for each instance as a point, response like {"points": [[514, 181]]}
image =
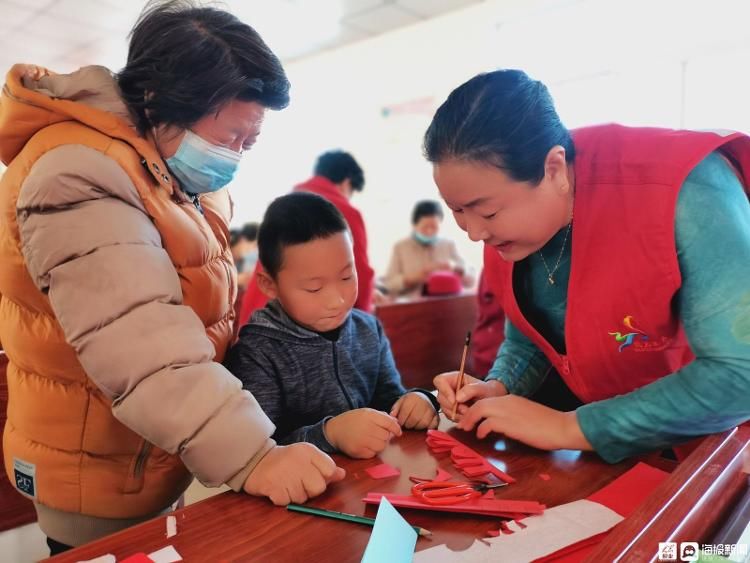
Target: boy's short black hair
{"points": [[295, 218], [426, 208], [337, 166]]}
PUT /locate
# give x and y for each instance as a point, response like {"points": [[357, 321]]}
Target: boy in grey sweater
{"points": [[322, 371]]}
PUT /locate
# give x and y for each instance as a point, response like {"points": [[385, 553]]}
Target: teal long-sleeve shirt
{"points": [[712, 234]]}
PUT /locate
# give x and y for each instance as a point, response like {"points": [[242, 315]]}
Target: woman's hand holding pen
{"points": [[472, 390], [361, 433], [526, 421]]}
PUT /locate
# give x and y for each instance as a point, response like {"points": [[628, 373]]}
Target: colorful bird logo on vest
{"points": [[628, 338]]}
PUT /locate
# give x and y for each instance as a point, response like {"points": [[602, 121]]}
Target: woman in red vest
{"points": [[625, 259]]}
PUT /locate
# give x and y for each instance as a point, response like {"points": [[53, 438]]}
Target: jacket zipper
{"points": [[338, 378], [140, 461], [229, 284]]}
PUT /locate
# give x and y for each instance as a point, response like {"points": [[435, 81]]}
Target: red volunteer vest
{"points": [[621, 330]]}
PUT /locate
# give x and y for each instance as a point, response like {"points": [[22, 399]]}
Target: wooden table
{"points": [[237, 527]]}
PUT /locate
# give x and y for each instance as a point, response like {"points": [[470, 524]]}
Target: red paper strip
{"points": [[382, 471], [490, 507]]}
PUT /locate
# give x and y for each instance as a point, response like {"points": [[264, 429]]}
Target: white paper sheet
{"points": [[171, 526], [557, 528], [165, 555]]}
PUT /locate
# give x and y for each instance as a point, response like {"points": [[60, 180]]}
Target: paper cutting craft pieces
{"points": [[382, 471], [392, 538], [466, 460]]}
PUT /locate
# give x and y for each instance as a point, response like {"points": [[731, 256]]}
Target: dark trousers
{"points": [[55, 547]]}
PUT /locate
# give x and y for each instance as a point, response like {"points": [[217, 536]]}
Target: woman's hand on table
{"points": [[525, 421], [473, 389]]}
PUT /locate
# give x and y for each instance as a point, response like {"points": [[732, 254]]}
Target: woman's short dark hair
{"points": [[249, 231], [502, 118], [295, 218], [337, 166], [426, 208], [186, 60]]}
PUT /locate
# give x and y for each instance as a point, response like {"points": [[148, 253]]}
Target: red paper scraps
{"points": [[442, 475], [382, 471], [466, 460], [489, 507], [492, 533]]}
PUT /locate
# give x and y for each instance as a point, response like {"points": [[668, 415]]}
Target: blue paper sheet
{"points": [[392, 539]]}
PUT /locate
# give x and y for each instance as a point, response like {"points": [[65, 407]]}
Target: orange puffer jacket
{"points": [[116, 297]]}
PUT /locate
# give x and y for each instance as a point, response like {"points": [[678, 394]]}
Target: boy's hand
{"points": [[473, 390], [361, 433], [415, 411], [293, 473]]}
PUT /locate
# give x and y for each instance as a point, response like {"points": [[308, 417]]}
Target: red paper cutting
{"points": [[466, 460], [382, 471]]}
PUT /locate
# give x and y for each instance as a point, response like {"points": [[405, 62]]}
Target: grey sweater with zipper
{"points": [[302, 378]]}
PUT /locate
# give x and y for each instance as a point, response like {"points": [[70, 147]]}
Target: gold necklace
{"points": [[551, 273]]}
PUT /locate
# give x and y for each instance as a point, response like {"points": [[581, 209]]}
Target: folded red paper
{"points": [[466, 460]]}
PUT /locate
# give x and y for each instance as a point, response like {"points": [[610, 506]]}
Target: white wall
{"points": [[674, 63]]}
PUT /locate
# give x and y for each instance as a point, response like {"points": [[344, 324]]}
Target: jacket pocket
{"points": [[137, 469]]}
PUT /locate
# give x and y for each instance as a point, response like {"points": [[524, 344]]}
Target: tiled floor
{"points": [[27, 543]]}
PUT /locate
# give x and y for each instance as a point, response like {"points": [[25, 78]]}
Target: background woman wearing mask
{"points": [[422, 253], [117, 280]]}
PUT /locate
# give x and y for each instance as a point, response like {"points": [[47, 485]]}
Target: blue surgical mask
{"points": [[422, 239], [248, 260], [202, 167]]}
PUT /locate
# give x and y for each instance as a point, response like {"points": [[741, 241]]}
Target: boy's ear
{"points": [[266, 284]]}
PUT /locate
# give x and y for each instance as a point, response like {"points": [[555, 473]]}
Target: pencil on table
{"points": [[460, 382], [345, 516]]}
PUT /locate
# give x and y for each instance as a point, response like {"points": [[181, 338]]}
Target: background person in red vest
{"points": [[625, 259], [336, 177]]}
